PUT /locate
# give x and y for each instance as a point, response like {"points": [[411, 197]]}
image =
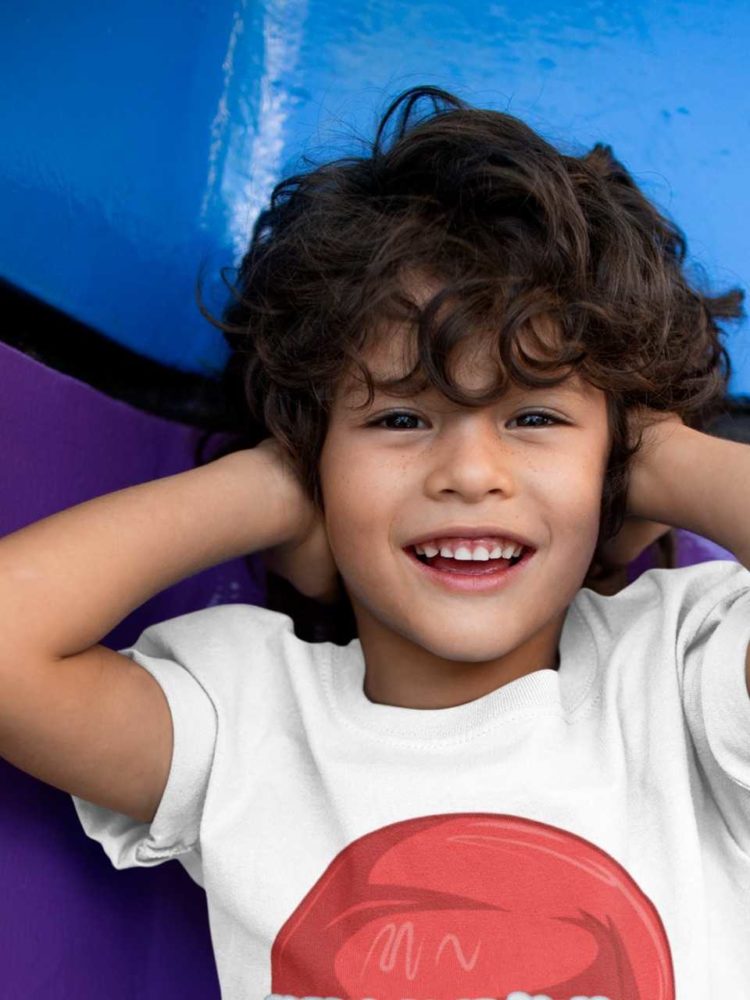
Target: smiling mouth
{"points": [[466, 567]]}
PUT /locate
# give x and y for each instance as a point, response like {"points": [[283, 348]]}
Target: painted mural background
{"points": [[140, 141]]}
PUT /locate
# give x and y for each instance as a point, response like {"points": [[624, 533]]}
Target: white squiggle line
{"points": [[389, 954], [465, 963]]}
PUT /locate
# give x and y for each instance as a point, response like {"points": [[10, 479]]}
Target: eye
{"points": [[538, 413], [398, 420], [396, 415]]}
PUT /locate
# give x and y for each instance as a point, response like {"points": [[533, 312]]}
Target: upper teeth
{"points": [[499, 549]]}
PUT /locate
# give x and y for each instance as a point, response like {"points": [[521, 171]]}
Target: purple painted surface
{"points": [[691, 549], [70, 924]]}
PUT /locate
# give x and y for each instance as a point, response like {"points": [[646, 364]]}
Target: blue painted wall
{"points": [[141, 140]]}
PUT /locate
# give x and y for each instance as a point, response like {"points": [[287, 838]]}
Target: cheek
{"points": [[363, 503], [573, 496], [357, 502], [357, 482]]}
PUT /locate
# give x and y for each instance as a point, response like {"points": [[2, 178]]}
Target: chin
{"points": [[463, 648]]}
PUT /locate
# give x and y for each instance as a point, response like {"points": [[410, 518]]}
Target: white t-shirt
{"points": [[579, 833]]}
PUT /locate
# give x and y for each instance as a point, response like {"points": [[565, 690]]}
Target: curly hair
{"points": [[512, 230]]}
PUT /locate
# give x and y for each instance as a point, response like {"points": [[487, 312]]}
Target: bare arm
{"points": [[74, 713], [67, 580], [692, 480]]}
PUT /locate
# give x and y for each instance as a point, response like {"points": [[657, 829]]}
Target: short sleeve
{"points": [[175, 829], [711, 653]]}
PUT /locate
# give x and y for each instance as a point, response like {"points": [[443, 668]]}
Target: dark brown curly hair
{"points": [[511, 229]]}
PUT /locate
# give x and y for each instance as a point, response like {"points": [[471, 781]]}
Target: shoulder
{"points": [[674, 600], [222, 625], [636, 643], [224, 646]]}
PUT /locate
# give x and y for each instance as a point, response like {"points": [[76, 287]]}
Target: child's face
{"points": [[386, 486]]}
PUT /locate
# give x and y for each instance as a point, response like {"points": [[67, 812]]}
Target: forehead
{"points": [[393, 354]]}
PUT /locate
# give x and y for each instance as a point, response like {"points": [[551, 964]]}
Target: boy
{"points": [[507, 786]]}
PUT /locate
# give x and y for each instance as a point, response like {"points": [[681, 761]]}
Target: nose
{"points": [[470, 461]]}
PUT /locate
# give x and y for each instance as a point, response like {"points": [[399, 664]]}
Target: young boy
{"points": [[507, 785]]}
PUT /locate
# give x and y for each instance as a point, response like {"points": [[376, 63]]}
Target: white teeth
{"points": [[506, 550]]}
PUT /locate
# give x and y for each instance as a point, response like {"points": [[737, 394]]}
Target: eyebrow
{"points": [[572, 386]]}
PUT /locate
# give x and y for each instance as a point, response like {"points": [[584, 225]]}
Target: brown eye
{"points": [[399, 419], [542, 415]]}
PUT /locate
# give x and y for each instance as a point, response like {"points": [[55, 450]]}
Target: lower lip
{"points": [[467, 582]]}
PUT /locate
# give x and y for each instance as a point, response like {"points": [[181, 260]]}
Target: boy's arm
{"points": [[698, 482], [69, 579], [78, 715]]}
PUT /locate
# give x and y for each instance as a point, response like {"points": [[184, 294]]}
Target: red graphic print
{"points": [[473, 905]]}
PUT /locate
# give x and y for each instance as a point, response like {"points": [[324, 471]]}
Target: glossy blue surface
{"points": [[141, 140]]}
